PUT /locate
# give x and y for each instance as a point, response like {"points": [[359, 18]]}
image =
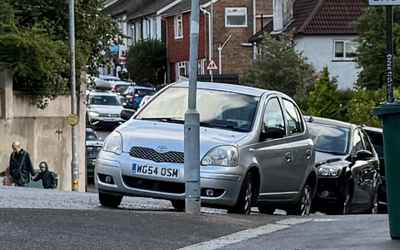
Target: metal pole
{"points": [[192, 122], [74, 107], [389, 53], [211, 37]]}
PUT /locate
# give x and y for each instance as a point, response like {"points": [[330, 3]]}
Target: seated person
{"points": [[49, 178]]}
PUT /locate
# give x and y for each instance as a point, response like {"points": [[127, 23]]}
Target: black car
{"points": [[348, 168], [376, 137], [133, 96], [93, 147]]}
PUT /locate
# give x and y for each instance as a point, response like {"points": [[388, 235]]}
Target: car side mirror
{"points": [[363, 155], [272, 133]]}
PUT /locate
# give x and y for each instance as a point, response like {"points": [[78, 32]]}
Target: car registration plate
{"points": [[155, 171]]}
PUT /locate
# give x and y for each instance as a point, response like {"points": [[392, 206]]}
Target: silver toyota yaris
{"points": [[255, 151]]}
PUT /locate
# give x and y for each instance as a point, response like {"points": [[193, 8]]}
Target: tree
{"points": [[280, 67], [325, 100], [34, 42], [372, 48], [147, 62]]}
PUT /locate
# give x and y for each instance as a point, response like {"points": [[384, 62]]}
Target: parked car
{"points": [[376, 137], [255, 150], [119, 87], [93, 147], [126, 113], [348, 167], [134, 95], [104, 108]]}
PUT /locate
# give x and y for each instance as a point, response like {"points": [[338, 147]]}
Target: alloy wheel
{"points": [[306, 201]]}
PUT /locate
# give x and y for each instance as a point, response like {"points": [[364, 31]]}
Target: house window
{"points": [[235, 17], [345, 49], [178, 27], [181, 69]]}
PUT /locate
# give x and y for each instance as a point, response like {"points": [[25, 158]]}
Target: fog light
{"points": [[209, 192]]}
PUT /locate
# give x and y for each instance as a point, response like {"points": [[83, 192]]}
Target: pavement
{"points": [[48, 219]]}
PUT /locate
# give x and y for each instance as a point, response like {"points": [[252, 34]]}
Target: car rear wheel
{"points": [[108, 200], [347, 200], [303, 206], [247, 196], [179, 205], [375, 204]]}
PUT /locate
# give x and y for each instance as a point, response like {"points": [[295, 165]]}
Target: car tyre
{"points": [[178, 205], [263, 209], [247, 197], [303, 206], [108, 200], [375, 204], [346, 207]]}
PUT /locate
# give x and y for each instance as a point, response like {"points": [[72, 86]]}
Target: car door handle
{"points": [[308, 154], [288, 157]]}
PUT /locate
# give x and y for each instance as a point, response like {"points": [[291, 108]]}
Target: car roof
{"points": [[331, 122], [140, 87], [240, 89], [102, 93], [372, 129]]}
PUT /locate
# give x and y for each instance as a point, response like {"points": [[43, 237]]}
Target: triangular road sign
{"points": [[212, 65]]}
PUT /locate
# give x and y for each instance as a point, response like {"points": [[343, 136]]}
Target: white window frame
{"points": [[178, 21], [179, 66], [345, 57], [237, 10]]}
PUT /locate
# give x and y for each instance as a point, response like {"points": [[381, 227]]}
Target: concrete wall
{"points": [[45, 134], [320, 52]]}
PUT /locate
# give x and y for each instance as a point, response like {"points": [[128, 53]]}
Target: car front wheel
{"points": [[108, 200], [247, 196], [179, 205]]}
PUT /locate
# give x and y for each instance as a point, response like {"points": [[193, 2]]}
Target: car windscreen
{"points": [[218, 109], [104, 100], [121, 88], [377, 140], [329, 139]]}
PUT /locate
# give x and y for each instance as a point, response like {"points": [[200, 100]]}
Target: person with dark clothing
{"points": [[49, 178], [21, 167]]}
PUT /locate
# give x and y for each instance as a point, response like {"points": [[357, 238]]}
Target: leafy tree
{"points": [[325, 100], [280, 67], [34, 42], [147, 61], [372, 47]]}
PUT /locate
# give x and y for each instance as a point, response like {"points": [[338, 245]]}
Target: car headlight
{"points": [[226, 156], [113, 143], [327, 171], [93, 114]]}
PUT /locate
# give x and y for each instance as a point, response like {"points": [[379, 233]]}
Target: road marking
{"points": [[236, 237], [325, 220], [293, 221]]}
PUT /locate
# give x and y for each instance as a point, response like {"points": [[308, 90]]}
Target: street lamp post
{"points": [[192, 122], [74, 107]]}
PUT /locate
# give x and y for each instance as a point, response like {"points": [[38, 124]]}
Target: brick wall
{"points": [[178, 49]]}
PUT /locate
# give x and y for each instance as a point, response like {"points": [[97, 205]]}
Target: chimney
{"points": [[278, 15]]}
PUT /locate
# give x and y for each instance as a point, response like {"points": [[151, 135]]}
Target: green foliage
{"points": [[325, 100], [280, 67], [372, 47], [362, 105], [147, 62], [34, 42]]}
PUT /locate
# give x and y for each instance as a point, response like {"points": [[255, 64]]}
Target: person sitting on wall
{"points": [[49, 178], [21, 167]]}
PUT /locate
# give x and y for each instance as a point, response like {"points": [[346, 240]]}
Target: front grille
{"points": [[109, 115], [151, 154], [153, 185]]}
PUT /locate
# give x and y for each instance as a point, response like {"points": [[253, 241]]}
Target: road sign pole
{"points": [[74, 107], [389, 53], [192, 122]]}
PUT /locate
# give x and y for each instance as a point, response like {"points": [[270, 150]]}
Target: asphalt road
{"points": [[114, 229]]}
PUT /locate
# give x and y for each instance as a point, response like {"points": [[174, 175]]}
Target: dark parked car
{"points": [[133, 96], [348, 168], [376, 137], [93, 147]]}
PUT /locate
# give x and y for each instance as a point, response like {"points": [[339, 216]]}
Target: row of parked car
{"points": [[256, 149]]}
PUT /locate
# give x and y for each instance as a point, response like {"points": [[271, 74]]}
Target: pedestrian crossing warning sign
{"points": [[212, 65]]}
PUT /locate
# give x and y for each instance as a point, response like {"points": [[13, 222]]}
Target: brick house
{"points": [[225, 28], [324, 31]]}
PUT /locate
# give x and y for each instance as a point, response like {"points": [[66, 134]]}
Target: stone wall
{"points": [[45, 134]]}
